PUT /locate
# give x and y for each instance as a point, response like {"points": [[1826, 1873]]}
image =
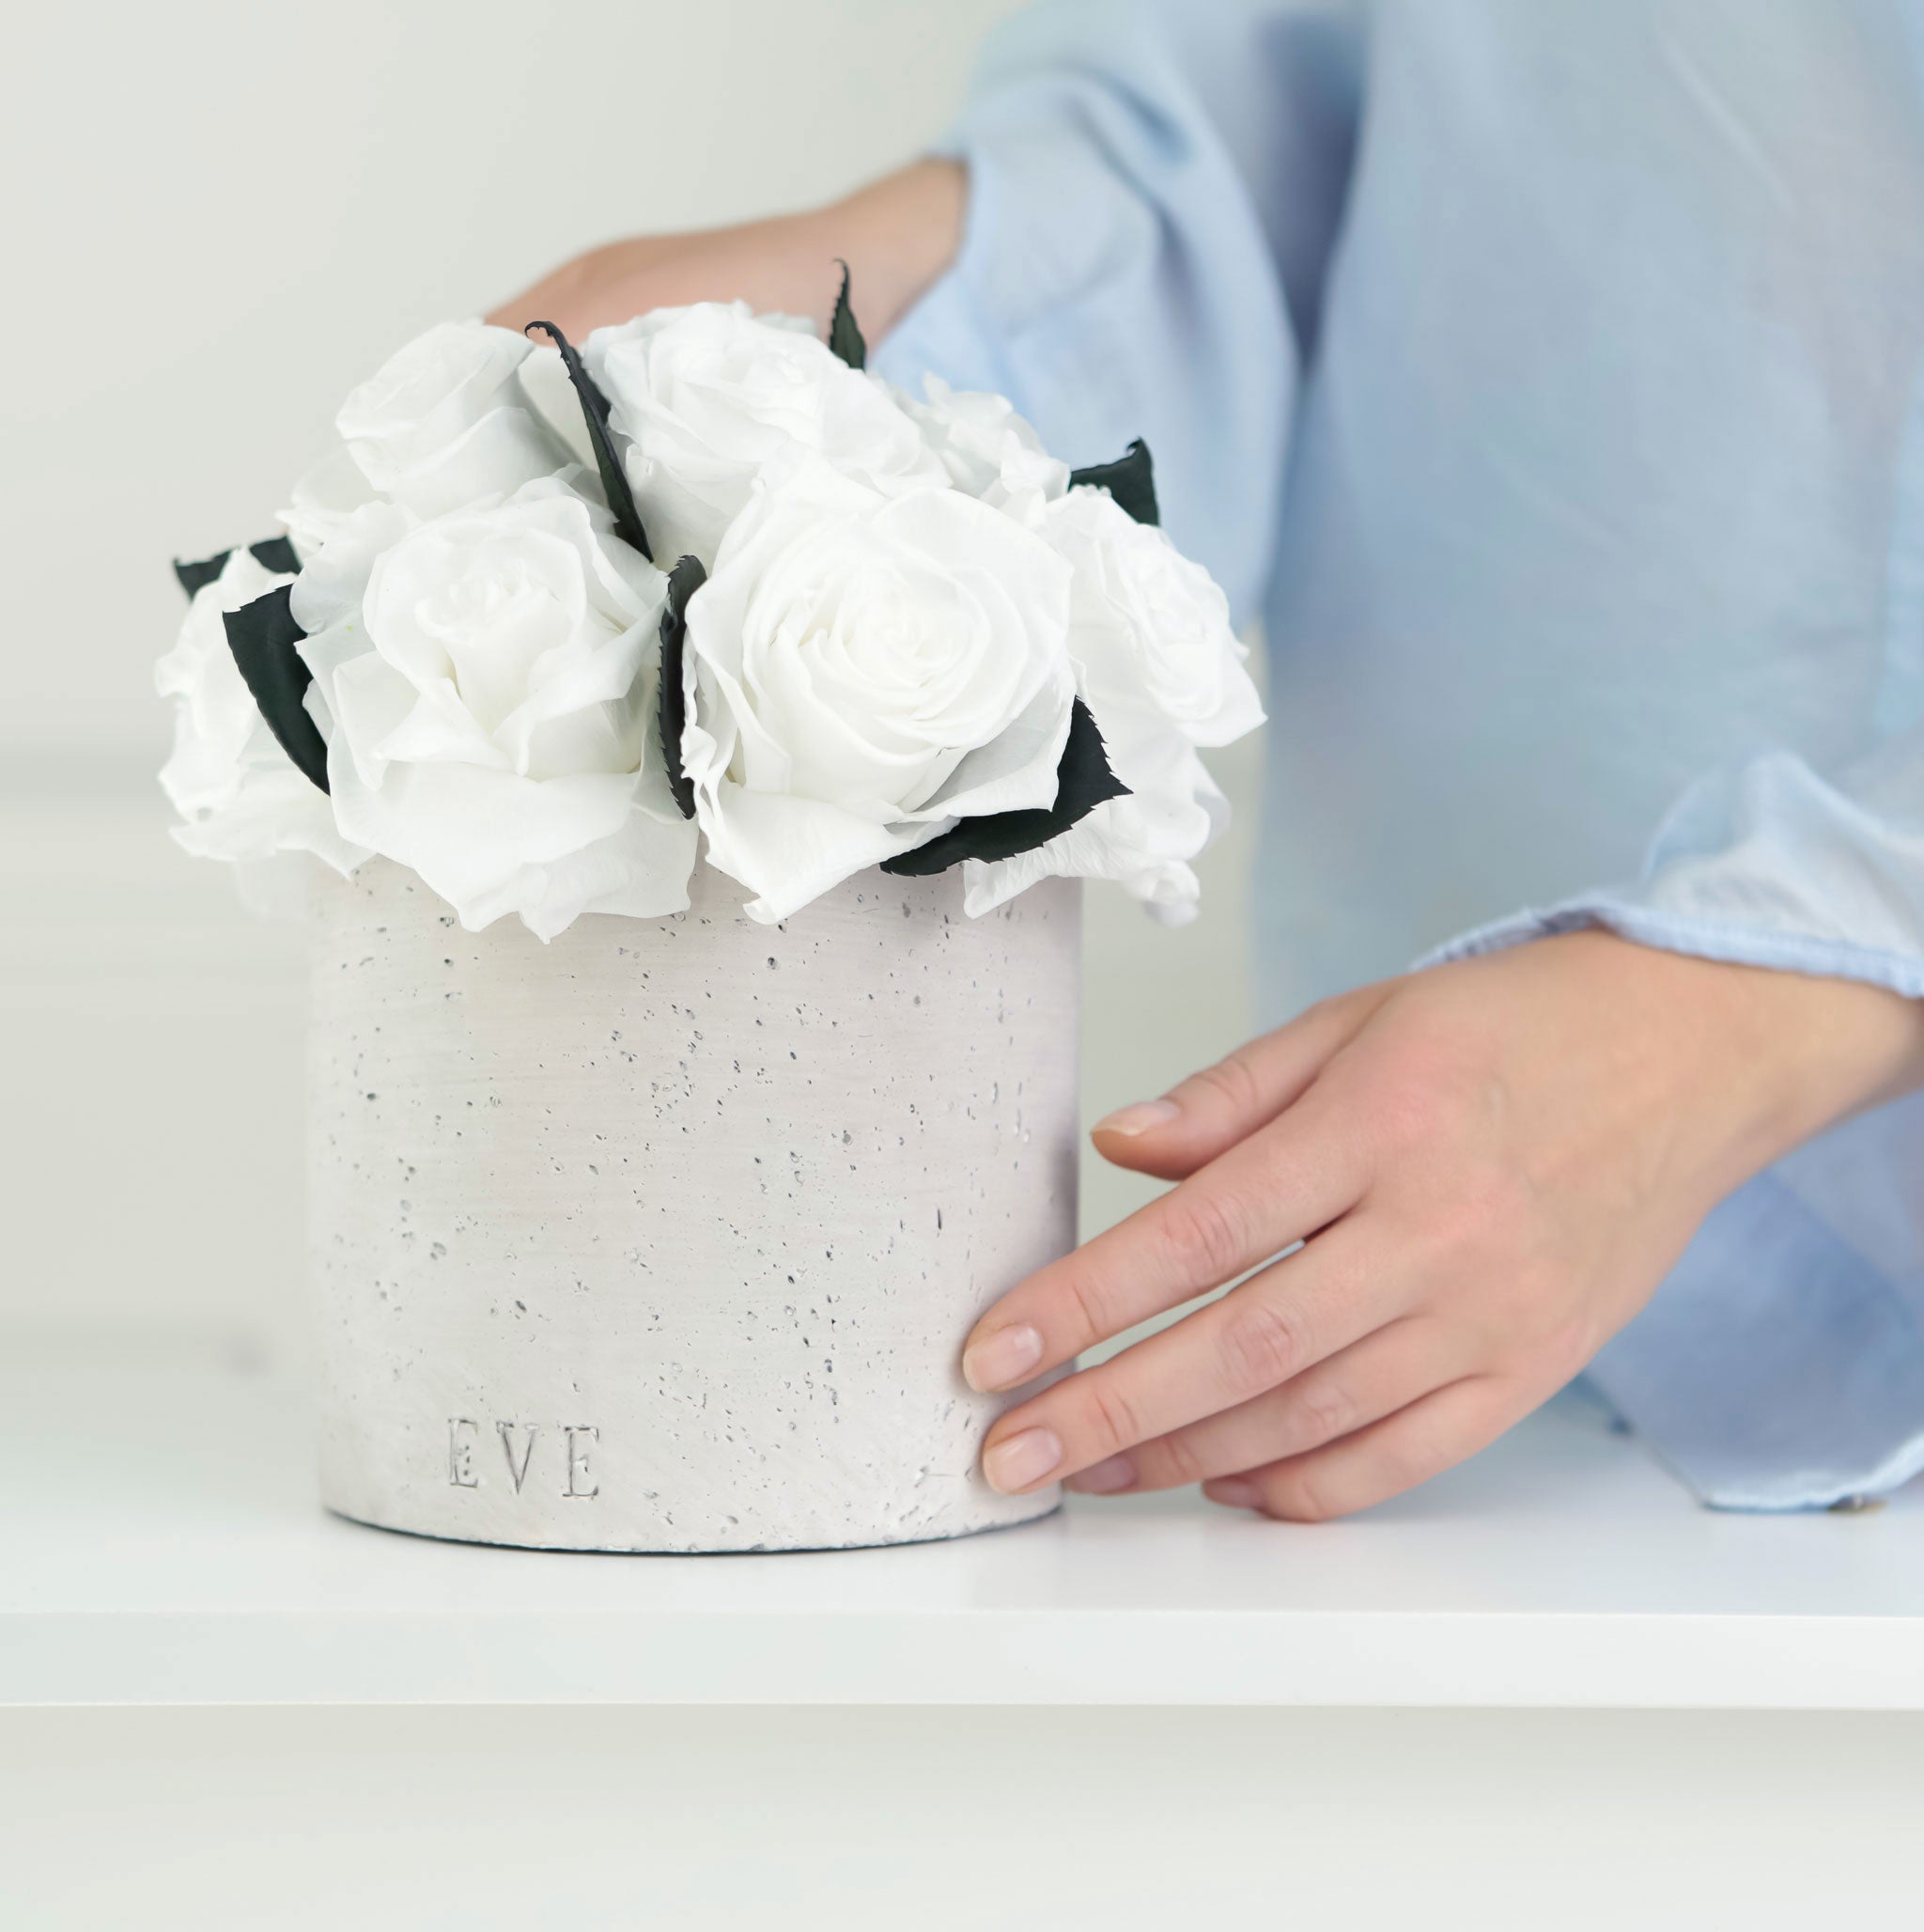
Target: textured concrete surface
{"points": [[666, 1236]]}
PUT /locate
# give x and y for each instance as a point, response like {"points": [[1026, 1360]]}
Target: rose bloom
{"points": [[986, 448], [240, 796], [708, 396], [461, 414], [1162, 672], [860, 670], [492, 673]]}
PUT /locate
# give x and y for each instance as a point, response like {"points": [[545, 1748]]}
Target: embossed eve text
{"points": [[573, 1443]]}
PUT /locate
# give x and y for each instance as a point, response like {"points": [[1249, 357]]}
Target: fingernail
{"points": [[1139, 1118], [1234, 1492], [1019, 1460], [1106, 1478], [1003, 1356]]}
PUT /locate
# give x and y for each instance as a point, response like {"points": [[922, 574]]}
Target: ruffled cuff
{"points": [[1767, 865]]}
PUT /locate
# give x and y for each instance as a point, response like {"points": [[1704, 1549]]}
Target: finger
{"points": [[1384, 1459], [1210, 1112], [1295, 1313], [1275, 1188], [1384, 1372]]}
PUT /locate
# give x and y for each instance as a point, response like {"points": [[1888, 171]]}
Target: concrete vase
{"points": [[666, 1236]]}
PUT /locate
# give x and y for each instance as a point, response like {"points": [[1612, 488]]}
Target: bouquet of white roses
{"points": [[547, 622]]}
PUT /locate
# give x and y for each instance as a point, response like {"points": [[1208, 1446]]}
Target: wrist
{"points": [[1828, 1048], [898, 236], [1766, 1058]]}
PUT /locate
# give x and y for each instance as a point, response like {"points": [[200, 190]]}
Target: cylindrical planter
{"points": [[666, 1236]]}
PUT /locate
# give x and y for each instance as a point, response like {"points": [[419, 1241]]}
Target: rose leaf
{"points": [[195, 578], [1130, 479], [844, 339], [262, 635], [271, 553], [614, 484], [683, 582], [276, 553], [1083, 781]]}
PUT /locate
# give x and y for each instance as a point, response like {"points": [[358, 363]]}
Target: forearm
{"points": [[897, 234]]}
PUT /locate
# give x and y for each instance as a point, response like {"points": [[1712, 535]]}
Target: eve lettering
{"points": [[567, 1463]]}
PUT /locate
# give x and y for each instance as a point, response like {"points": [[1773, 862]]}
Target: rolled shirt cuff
{"points": [[1767, 865]]}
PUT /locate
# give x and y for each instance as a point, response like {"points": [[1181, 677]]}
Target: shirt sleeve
{"points": [[1153, 188], [1771, 862]]}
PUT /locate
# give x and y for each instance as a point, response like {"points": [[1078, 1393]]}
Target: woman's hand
{"points": [[1492, 1164], [896, 235]]}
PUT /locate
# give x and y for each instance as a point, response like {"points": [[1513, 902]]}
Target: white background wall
{"points": [[218, 217], [221, 216]]}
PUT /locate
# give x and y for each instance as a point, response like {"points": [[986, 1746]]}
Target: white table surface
{"points": [[160, 1544]]}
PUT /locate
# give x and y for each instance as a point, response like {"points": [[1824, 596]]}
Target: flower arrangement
{"points": [[548, 626]]}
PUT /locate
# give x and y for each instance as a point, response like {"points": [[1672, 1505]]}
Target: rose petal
{"points": [[426, 394], [323, 500], [789, 850], [491, 460]]}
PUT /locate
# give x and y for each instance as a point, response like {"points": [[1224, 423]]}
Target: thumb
{"points": [[1210, 1112]]}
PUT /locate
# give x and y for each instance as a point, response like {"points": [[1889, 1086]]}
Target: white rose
{"points": [[492, 673], [449, 421], [1150, 623], [1144, 842], [1162, 673], [708, 396], [986, 448], [862, 669], [240, 796]]}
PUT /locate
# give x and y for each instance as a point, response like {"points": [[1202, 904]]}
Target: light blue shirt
{"points": [[1546, 374]]}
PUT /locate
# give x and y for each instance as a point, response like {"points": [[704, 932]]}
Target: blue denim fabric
{"points": [[1546, 375]]}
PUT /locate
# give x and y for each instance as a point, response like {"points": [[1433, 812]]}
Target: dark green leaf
{"points": [[263, 635], [1083, 781], [1130, 479], [195, 578], [276, 553], [271, 553], [844, 339], [614, 484], [686, 577]]}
